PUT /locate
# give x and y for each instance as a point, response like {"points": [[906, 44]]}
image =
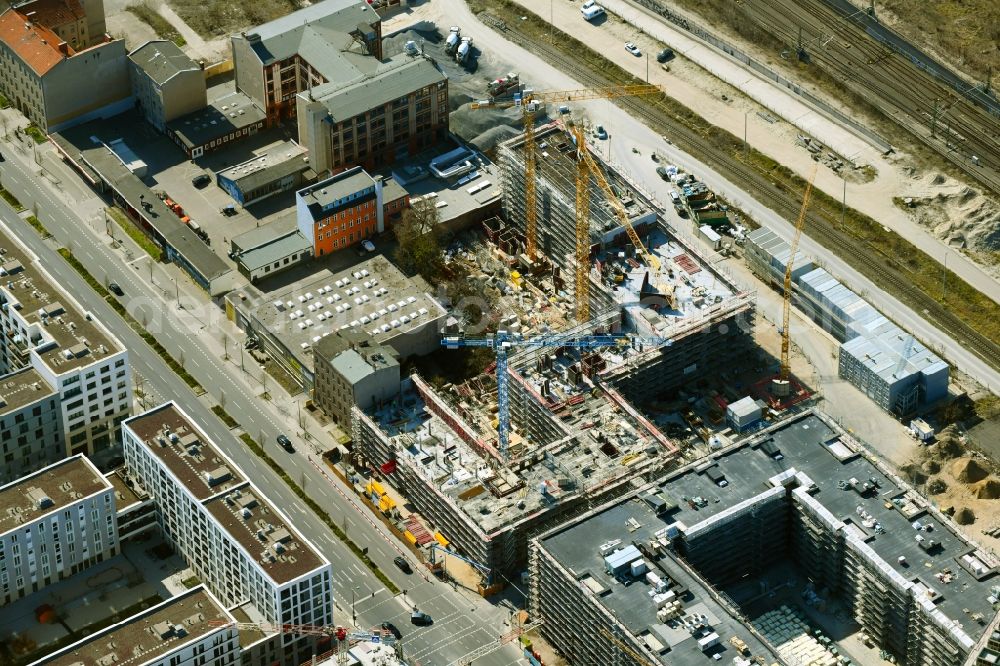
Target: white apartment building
{"points": [[241, 546], [54, 523], [192, 629], [65, 382]]}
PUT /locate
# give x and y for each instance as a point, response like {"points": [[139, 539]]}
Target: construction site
{"points": [[564, 421]]}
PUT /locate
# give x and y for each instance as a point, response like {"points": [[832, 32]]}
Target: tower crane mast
{"points": [[502, 341], [782, 386], [528, 101]]}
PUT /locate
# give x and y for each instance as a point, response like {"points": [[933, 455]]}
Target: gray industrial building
{"points": [[349, 373], [893, 369], [269, 250], [807, 509], [166, 83], [88, 149], [279, 168], [233, 117]]}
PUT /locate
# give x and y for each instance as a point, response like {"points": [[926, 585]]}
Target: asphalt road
{"points": [[463, 622]]}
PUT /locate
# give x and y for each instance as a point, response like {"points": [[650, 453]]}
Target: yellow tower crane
{"points": [[528, 101], [587, 166], [780, 387]]}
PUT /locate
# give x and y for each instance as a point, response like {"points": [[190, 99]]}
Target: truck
{"points": [[503, 85], [591, 11], [451, 42], [462, 53]]}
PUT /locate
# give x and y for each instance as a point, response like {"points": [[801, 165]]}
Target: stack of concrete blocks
{"points": [[784, 629]]}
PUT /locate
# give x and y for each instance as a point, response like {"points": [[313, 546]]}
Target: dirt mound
{"points": [[987, 489], [968, 470], [931, 466], [913, 473], [945, 448], [965, 516], [936, 486]]}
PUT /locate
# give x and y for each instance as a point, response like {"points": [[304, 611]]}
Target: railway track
{"points": [[821, 223], [936, 114]]}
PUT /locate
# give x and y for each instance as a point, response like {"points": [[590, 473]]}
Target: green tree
{"points": [[418, 235]]}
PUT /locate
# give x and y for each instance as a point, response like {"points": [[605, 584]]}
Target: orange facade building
{"points": [[345, 210]]}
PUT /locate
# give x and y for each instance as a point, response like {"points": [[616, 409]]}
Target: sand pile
{"points": [[987, 489], [968, 470]]}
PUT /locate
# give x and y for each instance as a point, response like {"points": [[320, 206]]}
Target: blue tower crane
{"points": [[502, 341]]}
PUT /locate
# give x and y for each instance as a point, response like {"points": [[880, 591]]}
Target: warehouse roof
{"points": [[222, 116], [278, 161], [281, 35], [161, 60], [293, 242]]}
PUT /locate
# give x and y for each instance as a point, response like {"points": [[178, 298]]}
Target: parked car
{"points": [[665, 55], [421, 619], [201, 180], [115, 289], [368, 245], [674, 196], [286, 443], [402, 564], [229, 210], [392, 629], [633, 49], [563, 109], [662, 173], [600, 133]]}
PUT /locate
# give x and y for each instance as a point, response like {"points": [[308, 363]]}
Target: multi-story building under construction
{"points": [[796, 515], [578, 433]]}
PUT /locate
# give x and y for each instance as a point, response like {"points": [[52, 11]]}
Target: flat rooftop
{"points": [[238, 507], [372, 298], [60, 331], [885, 517], [603, 445], [23, 387], [575, 547], [48, 490], [126, 495], [145, 637], [272, 163], [474, 190], [186, 452]]}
